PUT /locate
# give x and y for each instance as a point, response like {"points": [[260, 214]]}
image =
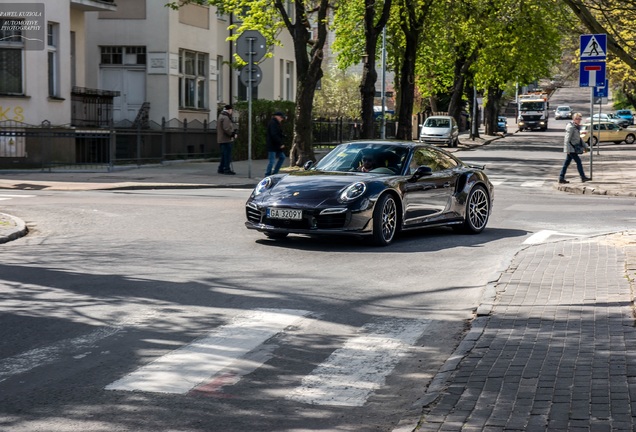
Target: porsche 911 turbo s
{"points": [[373, 189]]}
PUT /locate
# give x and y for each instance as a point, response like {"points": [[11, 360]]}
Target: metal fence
{"points": [[47, 147], [336, 131]]}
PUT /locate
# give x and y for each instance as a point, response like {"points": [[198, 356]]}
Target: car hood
{"points": [[435, 131], [312, 186]]}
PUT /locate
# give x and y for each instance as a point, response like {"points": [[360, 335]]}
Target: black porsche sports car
{"points": [[373, 189]]}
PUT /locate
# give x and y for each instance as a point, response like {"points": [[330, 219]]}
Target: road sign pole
{"points": [[249, 107], [592, 132]]}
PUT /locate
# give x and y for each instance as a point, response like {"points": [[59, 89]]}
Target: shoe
{"points": [[563, 181], [585, 179], [229, 172]]}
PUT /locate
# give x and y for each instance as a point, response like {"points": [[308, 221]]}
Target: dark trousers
{"points": [[226, 157], [566, 164]]}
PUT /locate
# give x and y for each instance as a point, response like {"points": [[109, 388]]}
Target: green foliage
{"points": [[339, 95], [262, 111]]}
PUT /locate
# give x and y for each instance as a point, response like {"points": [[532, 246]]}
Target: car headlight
{"points": [[352, 192], [262, 186]]}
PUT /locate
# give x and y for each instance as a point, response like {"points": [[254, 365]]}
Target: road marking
{"points": [[4, 197], [28, 360], [353, 372], [533, 183], [191, 365], [542, 236]]}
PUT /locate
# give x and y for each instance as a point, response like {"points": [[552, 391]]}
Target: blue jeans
{"points": [[226, 157], [566, 164], [272, 158]]}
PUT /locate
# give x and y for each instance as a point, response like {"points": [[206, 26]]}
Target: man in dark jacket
{"points": [[275, 146], [225, 134]]}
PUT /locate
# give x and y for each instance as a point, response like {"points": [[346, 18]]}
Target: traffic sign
{"points": [[593, 47], [592, 74], [251, 41], [601, 92], [256, 78]]}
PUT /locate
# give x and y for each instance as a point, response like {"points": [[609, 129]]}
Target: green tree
{"points": [[270, 17], [339, 95], [616, 19]]}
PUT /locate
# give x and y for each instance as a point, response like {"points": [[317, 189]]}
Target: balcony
{"points": [[94, 5], [92, 107]]}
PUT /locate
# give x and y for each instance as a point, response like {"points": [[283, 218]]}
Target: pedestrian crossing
{"points": [[357, 367], [221, 358]]}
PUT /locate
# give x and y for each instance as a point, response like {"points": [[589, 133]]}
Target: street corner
{"points": [[11, 228]]}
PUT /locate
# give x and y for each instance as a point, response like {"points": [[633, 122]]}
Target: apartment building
{"points": [[42, 57], [93, 62], [176, 62]]}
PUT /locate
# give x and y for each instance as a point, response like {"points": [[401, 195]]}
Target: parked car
{"points": [[440, 130], [563, 112], [502, 124], [608, 117], [411, 186], [626, 114], [608, 132]]}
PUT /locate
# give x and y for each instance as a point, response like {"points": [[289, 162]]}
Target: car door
{"points": [[613, 133], [427, 198]]}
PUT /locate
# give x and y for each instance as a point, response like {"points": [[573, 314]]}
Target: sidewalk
{"points": [[551, 347]]}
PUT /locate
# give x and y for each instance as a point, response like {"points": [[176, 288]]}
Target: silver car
{"points": [[440, 130], [563, 112]]}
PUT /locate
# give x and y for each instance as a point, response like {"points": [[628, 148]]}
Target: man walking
{"points": [[572, 140], [275, 146], [225, 134]]}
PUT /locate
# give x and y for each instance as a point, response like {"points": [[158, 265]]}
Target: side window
{"points": [[435, 160]]}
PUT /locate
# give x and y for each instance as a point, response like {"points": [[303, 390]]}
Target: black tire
{"points": [[593, 140], [477, 211], [276, 236], [630, 138], [385, 220]]}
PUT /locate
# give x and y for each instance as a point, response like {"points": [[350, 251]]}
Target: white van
{"points": [[440, 130]]}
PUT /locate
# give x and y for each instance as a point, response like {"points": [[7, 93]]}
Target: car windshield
{"points": [[386, 158], [502, 119], [624, 112], [437, 122], [563, 109], [531, 106]]}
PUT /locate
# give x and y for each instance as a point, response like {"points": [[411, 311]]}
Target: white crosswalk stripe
{"points": [[353, 372], [193, 364]]}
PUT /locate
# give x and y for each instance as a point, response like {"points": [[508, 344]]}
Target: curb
{"points": [[18, 229]]}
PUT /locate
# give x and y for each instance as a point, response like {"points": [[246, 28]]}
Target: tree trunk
{"points": [[491, 110], [367, 88], [407, 87]]}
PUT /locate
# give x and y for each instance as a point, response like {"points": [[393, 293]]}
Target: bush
{"points": [[262, 111]]}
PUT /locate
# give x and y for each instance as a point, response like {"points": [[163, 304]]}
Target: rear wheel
{"points": [[385, 219], [477, 211], [629, 139], [594, 141]]}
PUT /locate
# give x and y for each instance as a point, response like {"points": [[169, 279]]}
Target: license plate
{"points": [[276, 213]]}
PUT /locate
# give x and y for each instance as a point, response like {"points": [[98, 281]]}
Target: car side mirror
{"points": [[422, 171], [308, 164]]}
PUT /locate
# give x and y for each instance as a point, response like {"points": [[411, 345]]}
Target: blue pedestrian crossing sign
{"points": [[593, 47], [592, 74]]}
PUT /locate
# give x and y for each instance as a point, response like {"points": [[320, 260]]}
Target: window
{"points": [[219, 79], [192, 79], [11, 60], [123, 55], [52, 31], [289, 80]]}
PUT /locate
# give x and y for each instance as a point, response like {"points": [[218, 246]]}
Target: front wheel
{"points": [[477, 211], [593, 140], [385, 219], [630, 138]]}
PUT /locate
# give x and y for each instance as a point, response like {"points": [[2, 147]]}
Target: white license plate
{"points": [[276, 213]]}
